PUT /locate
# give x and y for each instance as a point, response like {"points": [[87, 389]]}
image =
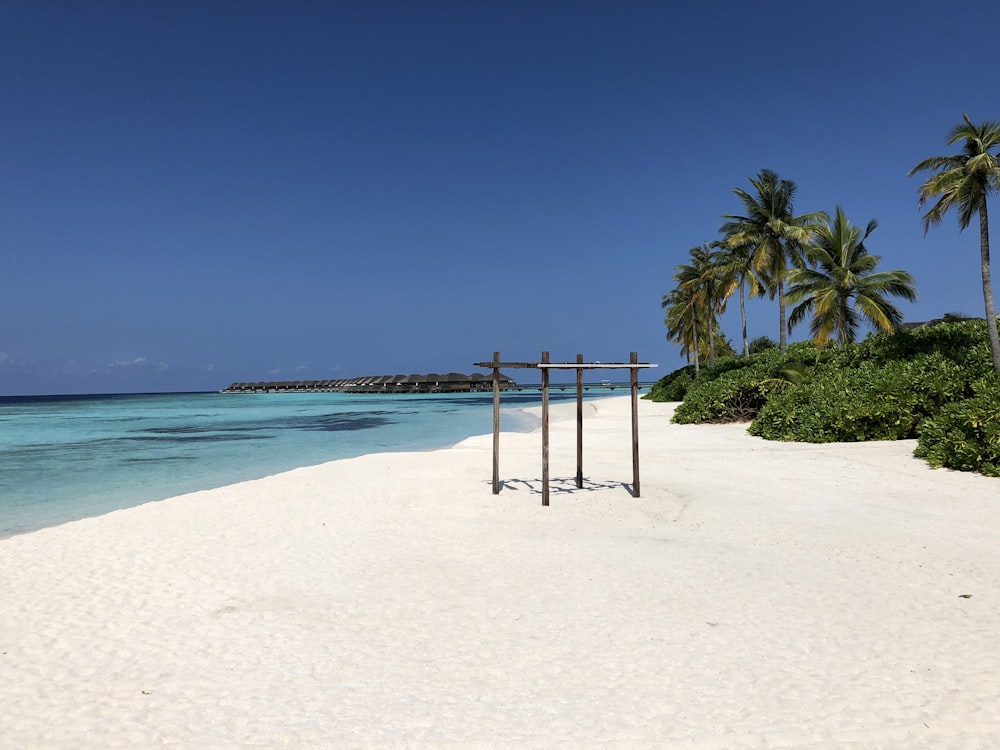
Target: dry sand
{"points": [[757, 595]]}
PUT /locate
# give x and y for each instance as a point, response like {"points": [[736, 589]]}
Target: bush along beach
{"points": [[939, 384], [933, 384]]}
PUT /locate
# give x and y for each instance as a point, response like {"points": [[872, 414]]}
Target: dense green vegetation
{"points": [[940, 385], [821, 264], [934, 384], [965, 435]]}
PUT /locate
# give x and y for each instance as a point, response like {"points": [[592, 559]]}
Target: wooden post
{"points": [[634, 359], [579, 422], [545, 429], [496, 424], [546, 366]]}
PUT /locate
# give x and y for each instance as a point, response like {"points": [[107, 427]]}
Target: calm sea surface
{"points": [[69, 457]]}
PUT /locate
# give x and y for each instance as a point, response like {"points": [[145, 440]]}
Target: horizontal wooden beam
{"points": [[593, 366], [564, 365], [504, 365]]}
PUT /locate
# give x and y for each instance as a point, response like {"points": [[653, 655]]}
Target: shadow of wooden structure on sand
{"points": [[633, 365]]}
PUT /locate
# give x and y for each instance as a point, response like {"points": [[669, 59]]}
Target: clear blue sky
{"points": [[193, 193]]}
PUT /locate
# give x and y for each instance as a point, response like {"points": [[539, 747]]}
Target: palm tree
{"points": [[681, 321], [694, 339], [689, 290], [963, 181], [841, 286], [704, 277], [736, 263], [692, 307], [770, 227]]}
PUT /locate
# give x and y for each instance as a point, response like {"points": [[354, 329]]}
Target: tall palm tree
{"points": [[703, 276], [964, 181], [736, 263], [694, 341], [841, 287], [770, 227], [682, 324], [688, 278]]}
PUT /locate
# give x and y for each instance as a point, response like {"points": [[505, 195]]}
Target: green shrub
{"points": [[762, 343], [736, 397], [964, 343], [672, 386], [738, 388], [965, 435], [935, 384], [872, 401], [675, 389]]}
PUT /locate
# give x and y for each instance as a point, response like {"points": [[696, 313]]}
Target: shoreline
{"points": [[154, 461], [757, 595]]}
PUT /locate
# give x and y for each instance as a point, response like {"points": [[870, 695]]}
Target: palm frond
{"points": [[844, 287]]}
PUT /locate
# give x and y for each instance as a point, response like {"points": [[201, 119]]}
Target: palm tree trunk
{"points": [[743, 317], [711, 338], [694, 333], [991, 315], [783, 335]]}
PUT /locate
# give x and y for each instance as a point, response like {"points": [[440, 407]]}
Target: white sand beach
{"points": [[757, 595]]}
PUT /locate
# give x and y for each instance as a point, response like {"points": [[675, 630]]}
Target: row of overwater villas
{"points": [[452, 382]]}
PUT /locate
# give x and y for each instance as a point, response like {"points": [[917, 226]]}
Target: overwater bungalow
{"points": [[452, 382]]}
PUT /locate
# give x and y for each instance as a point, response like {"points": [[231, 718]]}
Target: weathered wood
{"points": [[545, 431], [497, 364], [496, 425], [634, 357], [545, 366], [579, 423], [590, 365]]}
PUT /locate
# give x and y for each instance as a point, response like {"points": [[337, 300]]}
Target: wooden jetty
{"points": [[452, 382]]}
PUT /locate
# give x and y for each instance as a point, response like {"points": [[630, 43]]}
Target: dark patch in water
{"points": [[160, 460], [197, 438], [336, 422], [343, 423], [194, 430]]}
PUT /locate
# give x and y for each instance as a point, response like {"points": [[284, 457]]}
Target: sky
{"points": [[196, 193]]}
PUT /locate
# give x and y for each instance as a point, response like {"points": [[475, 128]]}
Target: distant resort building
{"points": [[948, 318], [452, 382]]}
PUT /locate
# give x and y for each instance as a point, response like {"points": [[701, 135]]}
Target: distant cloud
{"points": [[15, 364], [139, 362]]}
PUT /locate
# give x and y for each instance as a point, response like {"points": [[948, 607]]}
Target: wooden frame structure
{"points": [[633, 365]]}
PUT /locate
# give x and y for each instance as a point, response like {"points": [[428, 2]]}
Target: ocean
{"points": [[68, 457]]}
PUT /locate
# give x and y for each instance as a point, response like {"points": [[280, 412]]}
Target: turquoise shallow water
{"points": [[69, 457]]}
